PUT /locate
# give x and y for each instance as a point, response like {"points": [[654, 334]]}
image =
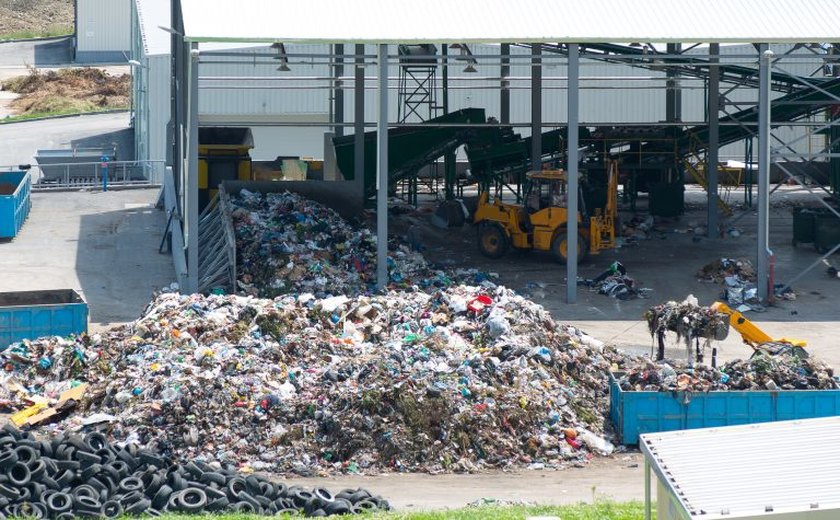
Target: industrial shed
{"points": [[103, 31], [775, 56]]}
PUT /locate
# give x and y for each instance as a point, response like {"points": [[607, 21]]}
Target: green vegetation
{"points": [[601, 510], [50, 32], [56, 113]]}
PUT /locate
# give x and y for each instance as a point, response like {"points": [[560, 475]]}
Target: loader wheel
{"points": [[492, 240], [559, 245]]}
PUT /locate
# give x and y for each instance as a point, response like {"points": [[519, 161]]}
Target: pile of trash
{"points": [[729, 270], [761, 372], [616, 283], [286, 243], [85, 476], [738, 277], [458, 379], [688, 319]]}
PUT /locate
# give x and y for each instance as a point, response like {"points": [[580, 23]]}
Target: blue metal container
{"points": [[634, 413], [15, 202], [34, 314]]}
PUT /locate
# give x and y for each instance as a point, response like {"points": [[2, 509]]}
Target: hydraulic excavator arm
{"points": [[751, 334]]}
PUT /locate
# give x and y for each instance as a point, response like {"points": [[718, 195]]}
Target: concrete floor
{"points": [[104, 245]]}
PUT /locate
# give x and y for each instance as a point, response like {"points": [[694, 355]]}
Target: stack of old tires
{"points": [[72, 476]]}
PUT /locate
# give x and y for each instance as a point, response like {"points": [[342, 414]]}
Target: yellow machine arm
{"points": [[751, 334]]}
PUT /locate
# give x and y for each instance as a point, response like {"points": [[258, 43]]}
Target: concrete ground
{"points": [[104, 245]]}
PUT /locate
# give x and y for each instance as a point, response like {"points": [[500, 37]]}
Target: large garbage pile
{"points": [[760, 372], [288, 244], [458, 379], [75, 476]]}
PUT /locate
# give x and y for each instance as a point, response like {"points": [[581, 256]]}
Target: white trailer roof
{"points": [[751, 470], [490, 21]]}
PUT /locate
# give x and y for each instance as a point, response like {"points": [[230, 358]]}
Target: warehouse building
{"points": [[103, 31]]}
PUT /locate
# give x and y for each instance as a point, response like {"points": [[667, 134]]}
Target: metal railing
{"points": [[56, 176]]}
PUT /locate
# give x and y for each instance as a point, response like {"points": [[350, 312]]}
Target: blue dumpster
{"points": [[35, 314], [634, 413], [15, 202]]}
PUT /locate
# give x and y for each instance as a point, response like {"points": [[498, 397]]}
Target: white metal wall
{"points": [[104, 30]]}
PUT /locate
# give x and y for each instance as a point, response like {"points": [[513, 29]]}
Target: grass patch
{"points": [[39, 115], [51, 32], [601, 510]]}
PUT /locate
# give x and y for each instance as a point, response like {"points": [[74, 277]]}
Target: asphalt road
{"points": [[21, 140]]}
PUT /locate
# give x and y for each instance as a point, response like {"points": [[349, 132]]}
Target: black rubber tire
{"points": [[235, 486], [147, 457], [86, 490], [50, 483], [493, 242], [87, 459], [9, 492], [338, 507], [130, 498], [244, 496], [323, 494], [139, 507], [300, 497], [26, 454], [252, 485], [45, 449], [281, 489], [96, 441], [8, 459], [19, 475], [217, 505], [558, 247], [7, 440], [365, 505], [193, 470], [264, 501], [108, 456], [31, 510], [87, 505], [36, 490], [152, 512], [161, 498], [318, 513], [244, 508], [129, 484], [193, 500], [128, 458], [37, 469], [59, 503], [90, 471], [288, 511], [65, 516], [72, 465], [211, 477], [177, 482], [12, 430], [112, 509]]}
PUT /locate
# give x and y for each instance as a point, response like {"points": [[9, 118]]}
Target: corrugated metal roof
{"points": [[474, 21], [151, 16], [737, 471]]}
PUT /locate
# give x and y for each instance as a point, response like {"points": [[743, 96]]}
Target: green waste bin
{"points": [[804, 225], [827, 232]]}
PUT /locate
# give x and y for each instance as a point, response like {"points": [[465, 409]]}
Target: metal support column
{"points": [[338, 91], [382, 173], [712, 154], [648, 504], [192, 177], [572, 174], [359, 120], [504, 92], [673, 86], [536, 107], [449, 158], [764, 252]]}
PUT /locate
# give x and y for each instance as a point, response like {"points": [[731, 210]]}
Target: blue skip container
{"points": [[634, 413], [35, 314], [15, 201]]}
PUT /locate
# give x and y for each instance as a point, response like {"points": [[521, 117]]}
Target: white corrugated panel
{"points": [[104, 26], [151, 16], [742, 471], [392, 21]]}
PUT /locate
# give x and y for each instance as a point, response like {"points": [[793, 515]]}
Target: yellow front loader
{"points": [[540, 223]]}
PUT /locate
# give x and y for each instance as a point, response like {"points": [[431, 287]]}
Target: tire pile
{"points": [[72, 476]]}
